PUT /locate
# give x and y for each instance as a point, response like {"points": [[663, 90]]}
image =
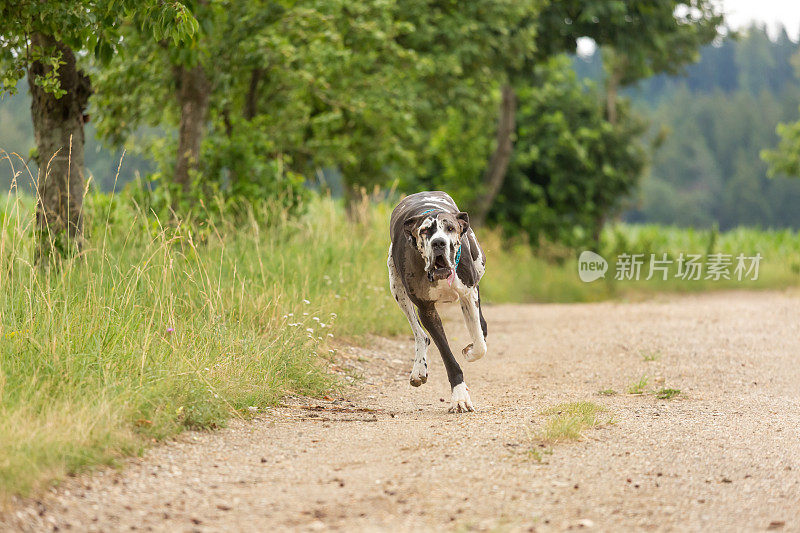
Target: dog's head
{"points": [[437, 237]]}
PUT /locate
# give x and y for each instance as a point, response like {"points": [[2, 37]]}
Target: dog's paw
{"points": [[473, 354], [460, 401], [419, 375]]}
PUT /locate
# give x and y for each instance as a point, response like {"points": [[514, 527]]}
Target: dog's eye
{"points": [[450, 228]]}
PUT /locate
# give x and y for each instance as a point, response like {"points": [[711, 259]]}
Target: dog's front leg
{"points": [[470, 307], [459, 400], [419, 372]]}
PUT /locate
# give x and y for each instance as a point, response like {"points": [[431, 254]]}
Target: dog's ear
{"points": [[410, 225], [463, 221]]}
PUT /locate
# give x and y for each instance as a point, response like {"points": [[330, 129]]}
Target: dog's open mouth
{"points": [[439, 269]]}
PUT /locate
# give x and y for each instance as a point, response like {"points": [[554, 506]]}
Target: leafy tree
{"points": [[44, 40], [785, 158], [296, 87], [208, 86], [573, 167], [456, 152], [642, 38], [485, 43]]}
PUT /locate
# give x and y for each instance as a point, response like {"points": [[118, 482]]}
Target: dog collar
{"points": [[426, 212]]}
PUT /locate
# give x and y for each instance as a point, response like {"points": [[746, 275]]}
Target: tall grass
{"points": [[154, 328]]}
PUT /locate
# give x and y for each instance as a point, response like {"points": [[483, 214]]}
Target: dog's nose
{"points": [[438, 245]]}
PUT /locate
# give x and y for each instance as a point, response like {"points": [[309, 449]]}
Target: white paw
{"points": [[472, 353], [459, 401], [419, 374]]}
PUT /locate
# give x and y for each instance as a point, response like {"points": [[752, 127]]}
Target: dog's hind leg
{"points": [[484, 327], [459, 400], [419, 373], [471, 308]]}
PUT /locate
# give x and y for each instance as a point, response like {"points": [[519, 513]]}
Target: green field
{"points": [[550, 274], [160, 327]]}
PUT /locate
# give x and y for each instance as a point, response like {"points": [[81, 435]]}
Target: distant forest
{"points": [[707, 129]]}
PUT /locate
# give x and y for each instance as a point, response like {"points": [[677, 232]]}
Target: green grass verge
{"points": [[155, 329]]}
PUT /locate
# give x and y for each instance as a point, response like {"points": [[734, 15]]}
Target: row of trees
{"points": [[263, 94]]}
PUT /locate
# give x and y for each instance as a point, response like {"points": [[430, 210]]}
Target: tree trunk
{"points": [[498, 165], [251, 101], [249, 110], [597, 231], [194, 91], [616, 66], [616, 70], [58, 132], [354, 201], [612, 88]]}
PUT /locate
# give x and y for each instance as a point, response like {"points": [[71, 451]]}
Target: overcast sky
{"points": [[740, 13]]}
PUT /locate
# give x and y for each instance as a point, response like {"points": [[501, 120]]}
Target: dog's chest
{"points": [[443, 292]]}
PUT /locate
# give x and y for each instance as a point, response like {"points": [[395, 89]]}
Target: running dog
{"points": [[434, 257]]}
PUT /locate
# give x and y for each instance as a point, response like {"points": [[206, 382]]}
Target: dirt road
{"points": [[724, 455]]}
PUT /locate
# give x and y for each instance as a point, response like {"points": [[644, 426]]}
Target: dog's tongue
{"points": [[451, 277]]}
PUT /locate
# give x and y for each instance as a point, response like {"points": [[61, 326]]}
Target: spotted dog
{"points": [[434, 257]]}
